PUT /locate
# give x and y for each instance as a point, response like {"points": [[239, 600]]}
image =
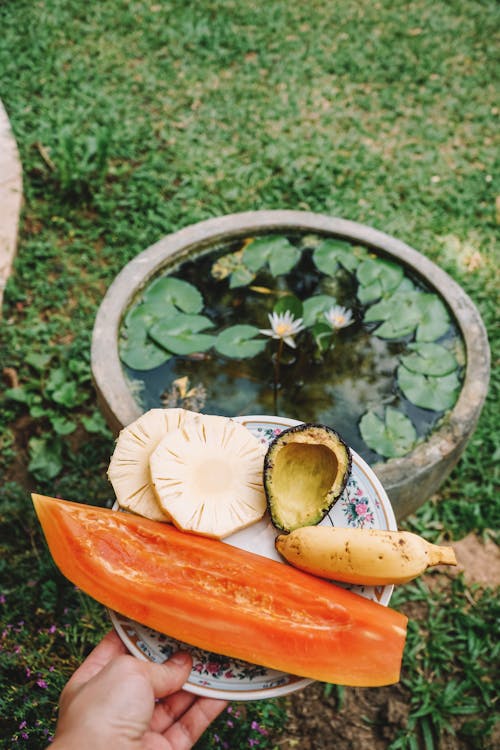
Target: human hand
{"points": [[116, 702]]}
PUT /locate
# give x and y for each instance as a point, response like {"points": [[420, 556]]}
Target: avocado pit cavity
{"points": [[305, 471]]}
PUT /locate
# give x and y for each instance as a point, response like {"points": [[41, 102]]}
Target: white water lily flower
{"points": [[338, 317], [283, 326]]}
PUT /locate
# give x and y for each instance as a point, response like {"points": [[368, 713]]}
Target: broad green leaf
{"points": [[141, 353], [315, 307], [57, 377], [62, 426], [19, 394], [370, 292], [392, 436], [171, 291], [180, 334], [429, 359], [377, 278], [405, 306], [239, 341], [241, 276], [289, 303], [428, 391], [38, 360], [37, 411], [188, 342], [330, 253], [67, 394], [143, 315], [275, 250], [45, 457], [434, 321], [405, 311], [283, 258], [394, 329], [257, 252], [323, 336], [180, 323], [389, 274], [96, 424]]}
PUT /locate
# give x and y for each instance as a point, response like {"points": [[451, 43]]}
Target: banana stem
{"points": [[441, 555]]}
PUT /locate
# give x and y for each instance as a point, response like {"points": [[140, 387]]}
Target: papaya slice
{"points": [[223, 599]]}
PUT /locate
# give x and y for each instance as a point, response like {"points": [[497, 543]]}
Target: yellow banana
{"points": [[363, 556]]}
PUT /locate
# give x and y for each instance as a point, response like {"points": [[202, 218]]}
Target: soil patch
{"points": [[357, 719], [478, 560]]}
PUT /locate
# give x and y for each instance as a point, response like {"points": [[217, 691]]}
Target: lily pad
{"points": [[429, 391], [276, 251], [289, 303], [239, 341], [399, 304], [140, 353], [171, 291], [406, 311], [180, 334], [142, 316], [241, 276], [377, 278], [390, 437], [332, 253], [394, 329], [323, 336], [435, 320], [401, 314], [315, 307], [429, 359]]}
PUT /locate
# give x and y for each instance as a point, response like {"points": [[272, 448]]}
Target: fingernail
{"points": [[180, 658]]}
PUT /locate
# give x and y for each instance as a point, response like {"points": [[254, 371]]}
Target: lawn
{"points": [[135, 119]]}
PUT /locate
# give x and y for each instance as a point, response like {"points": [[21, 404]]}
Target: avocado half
{"points": [[306, 469]]}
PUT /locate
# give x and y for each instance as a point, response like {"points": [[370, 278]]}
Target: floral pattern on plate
{"points": [[363, 504], [357, 507]]}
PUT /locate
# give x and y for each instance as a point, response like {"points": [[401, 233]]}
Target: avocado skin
{"points": [[332, 438]]}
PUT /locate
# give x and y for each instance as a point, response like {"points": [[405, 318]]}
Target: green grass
{"points": [[135, 119]]}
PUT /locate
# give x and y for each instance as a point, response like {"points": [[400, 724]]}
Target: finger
{"points": [[108, 649], [190, 726], [168, 710], [169, 677]]}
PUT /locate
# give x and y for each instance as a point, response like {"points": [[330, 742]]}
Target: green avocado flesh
{"points": [[305, 470]]}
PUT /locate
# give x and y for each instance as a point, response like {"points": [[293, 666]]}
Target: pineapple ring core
{"points": [[208, 476]]}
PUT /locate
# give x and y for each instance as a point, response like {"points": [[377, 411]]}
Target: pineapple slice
{"points": [[128, 469], [208, 476]]}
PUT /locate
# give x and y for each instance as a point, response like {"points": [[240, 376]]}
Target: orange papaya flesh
{"points": [[222, 599]]}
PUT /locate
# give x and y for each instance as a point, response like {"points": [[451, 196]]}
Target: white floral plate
{"points": [[364, 503]]}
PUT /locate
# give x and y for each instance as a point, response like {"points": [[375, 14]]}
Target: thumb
{"points": [[169, 677]]}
